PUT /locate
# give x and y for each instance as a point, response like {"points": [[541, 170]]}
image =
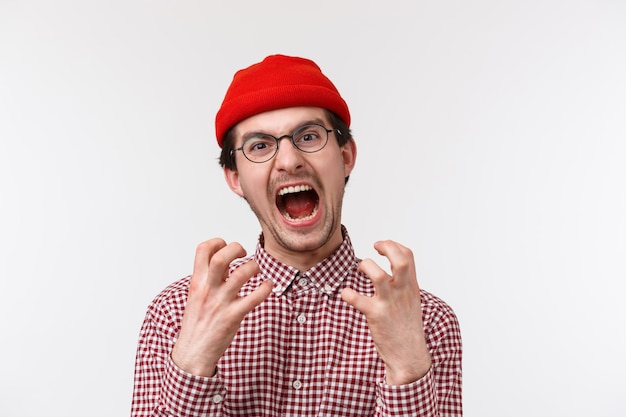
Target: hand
{"points": [[394, 314], [214, 311]]}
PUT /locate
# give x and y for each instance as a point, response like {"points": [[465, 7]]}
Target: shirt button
{"points": [[217, 399], [327, 288], [296, 384], [301, 319], [277, 288], [302, 282]]}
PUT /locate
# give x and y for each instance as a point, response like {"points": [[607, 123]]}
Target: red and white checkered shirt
{"points": [[302, 352]]}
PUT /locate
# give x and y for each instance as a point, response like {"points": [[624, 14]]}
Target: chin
{"points": [[305, 239]]}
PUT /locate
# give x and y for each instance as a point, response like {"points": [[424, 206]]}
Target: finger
{"points": [[256, 297], [356, 300], [400, 259], [204, 253], [219, 263], [377, 275], [243, 273]]}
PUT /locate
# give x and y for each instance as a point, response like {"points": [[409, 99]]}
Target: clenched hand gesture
{"points": [[394, 314], [214, 311]]}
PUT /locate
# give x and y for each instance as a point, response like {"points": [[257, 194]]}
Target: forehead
{"points": [[280, 122]]}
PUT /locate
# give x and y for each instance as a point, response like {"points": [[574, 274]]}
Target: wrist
{"points": [[194, 365], [407, 374]]}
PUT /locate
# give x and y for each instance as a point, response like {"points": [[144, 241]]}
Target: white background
{"points": [[491, 141]]}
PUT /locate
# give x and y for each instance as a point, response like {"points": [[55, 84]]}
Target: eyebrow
{"points": [[315, 121]]}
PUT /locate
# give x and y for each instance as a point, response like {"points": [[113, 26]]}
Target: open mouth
{"points": [[297, 203]]}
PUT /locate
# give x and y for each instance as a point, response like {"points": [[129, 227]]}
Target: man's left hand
{"points": [[394, 314]]}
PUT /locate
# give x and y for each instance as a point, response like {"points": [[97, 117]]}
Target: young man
{"points": [[301, 327]]}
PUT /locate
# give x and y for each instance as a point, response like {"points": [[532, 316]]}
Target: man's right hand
{"points": [[214, 311]]}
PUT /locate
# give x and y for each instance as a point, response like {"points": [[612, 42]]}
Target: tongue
{"points": [[299, 205]]}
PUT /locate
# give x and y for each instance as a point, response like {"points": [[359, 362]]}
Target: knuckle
{"points": [[377, 275], [220, 260], [193, 287], [403, 263]]}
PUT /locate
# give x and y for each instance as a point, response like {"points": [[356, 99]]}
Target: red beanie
{"points": [[277, 82]]}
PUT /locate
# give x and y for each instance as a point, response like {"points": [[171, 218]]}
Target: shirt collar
{"points": [[327, 275]]}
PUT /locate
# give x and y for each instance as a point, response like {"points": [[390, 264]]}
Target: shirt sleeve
{"points": [[183, 394], [160, 387], [439, 392]]}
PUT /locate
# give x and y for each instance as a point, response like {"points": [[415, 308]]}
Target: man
{"points": [[301, 327]]}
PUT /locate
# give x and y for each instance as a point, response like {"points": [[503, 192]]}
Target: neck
{"points": [[301, 256]]}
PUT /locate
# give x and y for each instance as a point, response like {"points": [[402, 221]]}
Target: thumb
{"points": [[355, 299]]}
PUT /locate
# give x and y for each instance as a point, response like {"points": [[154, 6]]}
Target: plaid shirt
{"points": [[302, 352]]}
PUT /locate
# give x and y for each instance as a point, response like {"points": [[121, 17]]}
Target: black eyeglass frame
{"points": [[291, 138]]}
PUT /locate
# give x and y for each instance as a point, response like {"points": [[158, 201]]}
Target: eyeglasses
{"points": [[262, 147]]}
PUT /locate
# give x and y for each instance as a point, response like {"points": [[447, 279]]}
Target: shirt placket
{"points": [[304, 358]]}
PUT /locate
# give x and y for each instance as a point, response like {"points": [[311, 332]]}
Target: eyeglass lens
{"points": [[262, 147]]}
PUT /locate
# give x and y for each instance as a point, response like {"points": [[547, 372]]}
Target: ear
{"points": [[348, 153], [232, 179]]}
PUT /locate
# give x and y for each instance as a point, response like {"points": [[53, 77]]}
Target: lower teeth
{"points": [[300, 219]]}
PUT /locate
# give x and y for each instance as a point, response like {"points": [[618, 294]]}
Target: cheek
{"points": [[253, 186], [334, 180]]}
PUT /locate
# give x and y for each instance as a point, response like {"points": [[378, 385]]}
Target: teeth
{"points": [[310, 216], [294, 189]]}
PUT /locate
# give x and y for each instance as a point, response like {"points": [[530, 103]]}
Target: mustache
{"points": [[283, 179]]}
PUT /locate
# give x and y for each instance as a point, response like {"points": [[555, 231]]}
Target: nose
{"points": [[288, 158]]}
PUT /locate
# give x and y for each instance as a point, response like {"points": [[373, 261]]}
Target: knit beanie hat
{"points": [[277, 82]]}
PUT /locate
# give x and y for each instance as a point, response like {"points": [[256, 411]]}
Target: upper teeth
{"points": [[294, 189]]}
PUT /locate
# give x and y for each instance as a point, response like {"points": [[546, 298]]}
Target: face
{"points": [[296, 196]]}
